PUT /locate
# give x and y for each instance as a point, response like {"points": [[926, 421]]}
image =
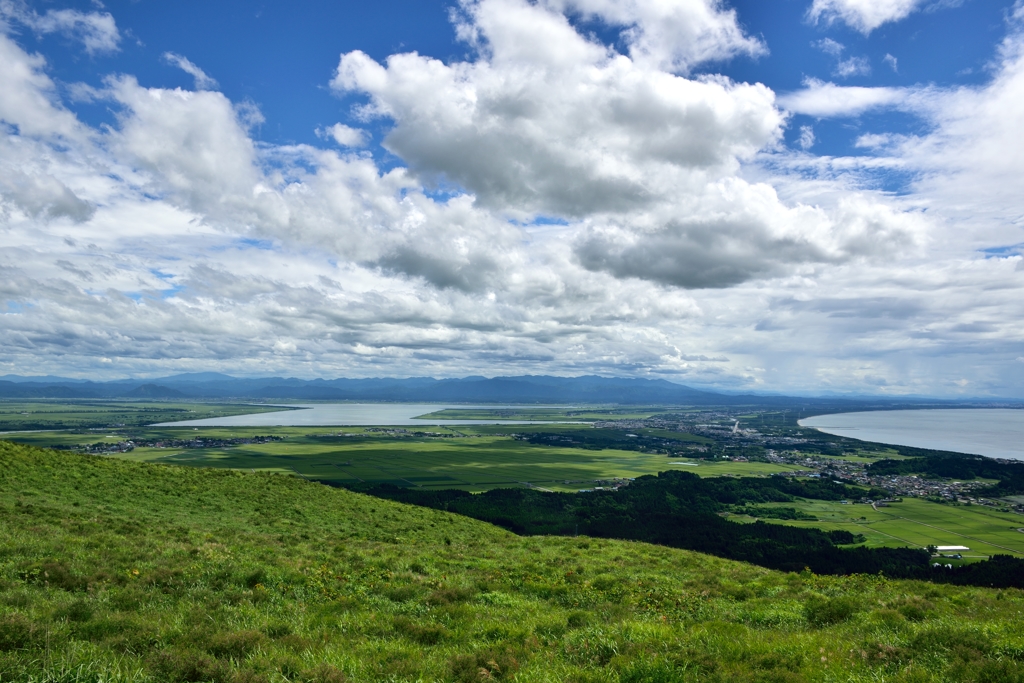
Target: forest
{"points": [[680, 510]]}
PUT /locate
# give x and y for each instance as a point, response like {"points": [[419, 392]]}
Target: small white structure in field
{"points": [[945, 548]]}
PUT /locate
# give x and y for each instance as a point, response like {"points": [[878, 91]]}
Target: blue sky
{"points": [[797, 195], [280, 55]]}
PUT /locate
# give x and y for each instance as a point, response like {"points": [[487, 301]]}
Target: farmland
{"points": [[920, 523], [469, 458], [552, 457]]}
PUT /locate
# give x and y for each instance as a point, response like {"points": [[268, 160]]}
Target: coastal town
{"points": [[814, 454]]}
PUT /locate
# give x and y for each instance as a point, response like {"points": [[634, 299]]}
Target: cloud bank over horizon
{"points": [[582, 190]]}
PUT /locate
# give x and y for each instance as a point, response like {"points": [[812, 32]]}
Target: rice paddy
{"points": [[472, 463], [920, 523]]}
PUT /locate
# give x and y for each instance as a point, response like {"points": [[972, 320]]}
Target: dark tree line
{"points": [[679, 509]]}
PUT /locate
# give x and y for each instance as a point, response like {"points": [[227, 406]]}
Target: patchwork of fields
{"points": [[473, 458], [481, 457], [472, 463], [918, 523]]}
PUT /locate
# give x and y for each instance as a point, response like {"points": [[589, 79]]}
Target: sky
{"points": [[783, 196]]}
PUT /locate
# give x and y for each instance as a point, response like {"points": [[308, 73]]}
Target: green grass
{"points": [[920, 523], [723, 468], [118, 571], [480, 457]]}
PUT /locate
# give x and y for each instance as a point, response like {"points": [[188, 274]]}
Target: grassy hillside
{"points": [[120, 571]]}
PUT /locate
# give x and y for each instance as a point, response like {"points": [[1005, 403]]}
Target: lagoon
{"points": [[996, 433], [345, 414]]}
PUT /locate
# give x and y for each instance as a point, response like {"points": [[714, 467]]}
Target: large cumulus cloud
{"points": [[642, 161], [548, 121]]}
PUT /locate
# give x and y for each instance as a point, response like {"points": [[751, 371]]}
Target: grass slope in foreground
{"points": [[121, 571]]}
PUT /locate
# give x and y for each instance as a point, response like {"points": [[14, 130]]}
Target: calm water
{"points": [[338, 414], [997, 433]]}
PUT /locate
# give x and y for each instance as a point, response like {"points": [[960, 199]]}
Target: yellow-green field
{"points": [[920, 523], [481, 457], [728, 468], [473, 463], [472, 458]]}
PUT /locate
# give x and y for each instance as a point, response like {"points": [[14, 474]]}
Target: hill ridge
{"points": [[520, 389], [127, 571]]}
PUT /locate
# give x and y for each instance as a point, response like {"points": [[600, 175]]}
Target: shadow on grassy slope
{"points": [[118, 571], [680, 509]]}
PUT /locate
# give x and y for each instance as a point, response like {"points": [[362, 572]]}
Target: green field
{"points": [[481, 457], [473, 464], [916, 522], [86, 414], [122, 572], [471, 458]]}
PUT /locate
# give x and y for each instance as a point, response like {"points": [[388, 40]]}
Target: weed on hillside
{"points": [[117, 571]]}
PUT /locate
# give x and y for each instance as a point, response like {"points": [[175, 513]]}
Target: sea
{"points": [[349, 414], [994, 432]]}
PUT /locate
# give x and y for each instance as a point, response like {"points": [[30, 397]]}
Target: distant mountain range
{"points": [[525, 389]]}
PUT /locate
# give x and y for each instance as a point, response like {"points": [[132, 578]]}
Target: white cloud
{"points": [[639, 162], [548, 122], [96, 30], [193, 145], [671, 34], [854, 66], [29, 106], [829, 46], [878, 140], [679, 237], [863, 15], [973, 155], [28, 97], [345, 136], [203, 82], [806, 140], [743, 232], [824, 100], [892, 62]]}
